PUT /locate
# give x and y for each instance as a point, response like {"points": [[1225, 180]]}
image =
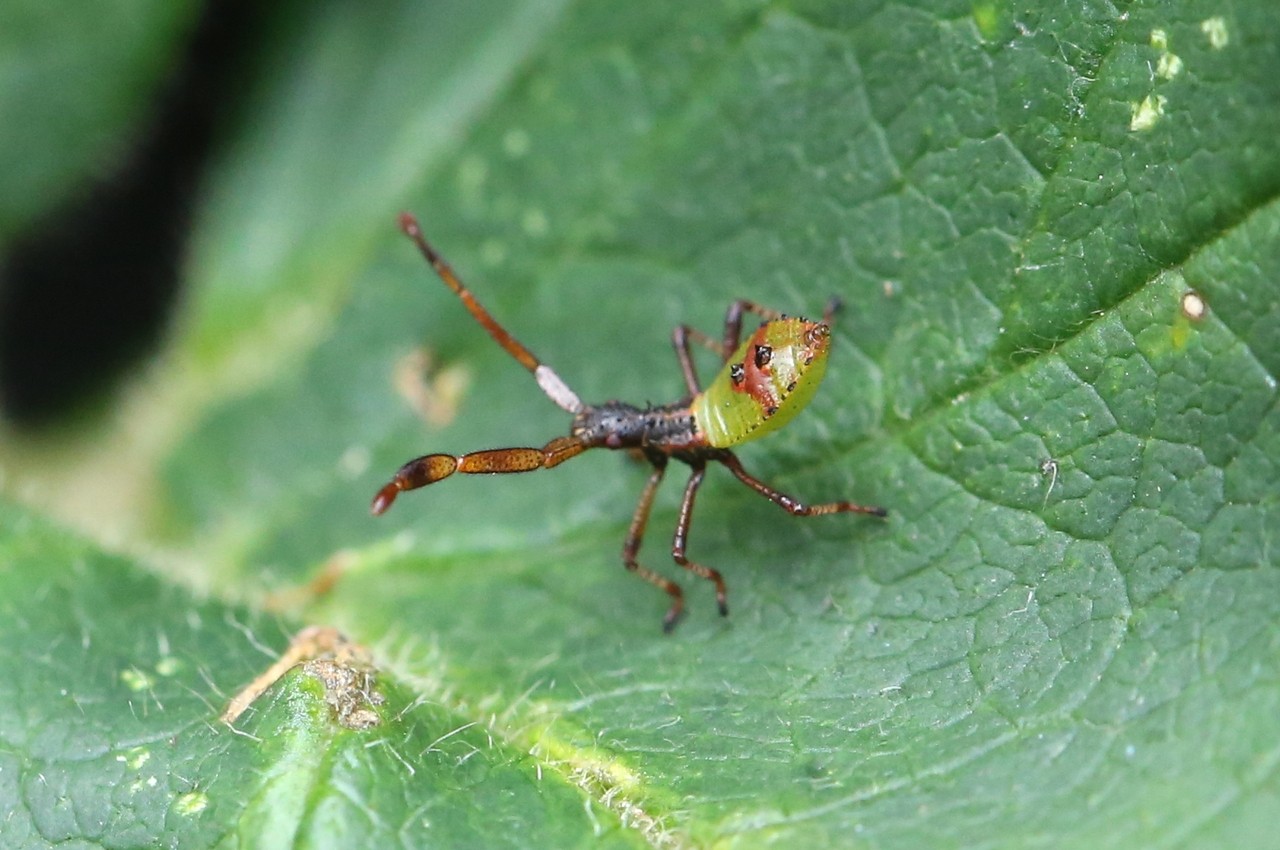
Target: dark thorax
{"points": [[667, 428]]}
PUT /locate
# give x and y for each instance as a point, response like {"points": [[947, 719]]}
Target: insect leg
{"points": [[681, 541], [635, 534], [680, 338], [429, 469], [547, 379], [788, 503], [684, 334], [733, 323]]}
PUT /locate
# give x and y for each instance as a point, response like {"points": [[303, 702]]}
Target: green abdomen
{"points": [[766, 382]]}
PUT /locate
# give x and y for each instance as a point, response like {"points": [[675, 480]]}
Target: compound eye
{"points": [[737, 373], [763, 355]]}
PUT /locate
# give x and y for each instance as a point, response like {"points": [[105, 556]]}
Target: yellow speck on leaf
{"points": [[136, 680], [1169, 66], [986, 16], [191, 803], [1147, 113], [1216, 29], [135, 758]]}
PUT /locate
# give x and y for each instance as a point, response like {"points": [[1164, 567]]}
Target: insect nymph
{"points": [[763, 383]]}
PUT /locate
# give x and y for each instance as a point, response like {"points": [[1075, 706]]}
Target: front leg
{"points": [[724, 349], [681, 541], [635, 535], [733, 323]]}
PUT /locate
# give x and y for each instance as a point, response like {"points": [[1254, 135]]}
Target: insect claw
{"points": [[672, 617], [723, 605]]}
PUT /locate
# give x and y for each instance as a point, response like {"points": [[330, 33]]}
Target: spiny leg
{"points": [[547, 379], [681, 541], [788, 503], [429, 469], [635, 534]]}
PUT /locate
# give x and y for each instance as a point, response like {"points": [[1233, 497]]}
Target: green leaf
{"points": [[71, 86], [110, 735], [1066, 632]]}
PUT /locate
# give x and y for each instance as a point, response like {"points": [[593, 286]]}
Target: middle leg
{"points": [[631, 548], [681, 541], [680, 338], [733, 323]]}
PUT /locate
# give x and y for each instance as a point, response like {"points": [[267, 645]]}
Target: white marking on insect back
{"points": [[557, 390]]}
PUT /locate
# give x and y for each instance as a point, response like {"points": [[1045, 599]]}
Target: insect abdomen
{"points": [[767, 381]]}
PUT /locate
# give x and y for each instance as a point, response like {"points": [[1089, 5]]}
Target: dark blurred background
{"points": [[87, 291]]}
